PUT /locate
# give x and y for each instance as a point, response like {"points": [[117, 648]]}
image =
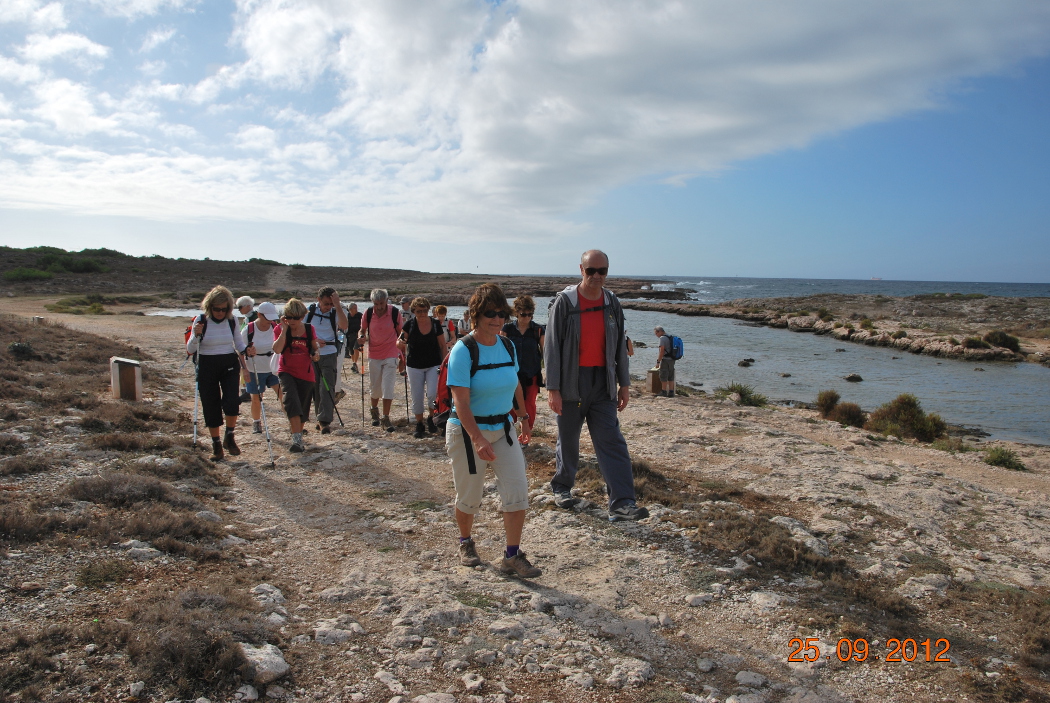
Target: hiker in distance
{"points": [[483, 378], [328, 319], [381, 328], [528, 338], [588, 379], [297, 349], [260, 335], [665, 361], [218, 348], [353, 330], [424, 347]]}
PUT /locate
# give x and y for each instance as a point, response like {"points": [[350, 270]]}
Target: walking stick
{"points": [[196, 398], [362, 375], [407, 419], [262, 405]]}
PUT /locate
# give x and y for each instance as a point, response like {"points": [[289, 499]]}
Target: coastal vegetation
{"points": [[741, 394], [1004, 457], [999, 338], [846, 414], [904, 417]]}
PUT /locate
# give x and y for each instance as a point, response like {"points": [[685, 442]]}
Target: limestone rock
{"points": [[629, 672], [750, 678], [507, 627], [267, 594], [265, 663], [919, 586]]}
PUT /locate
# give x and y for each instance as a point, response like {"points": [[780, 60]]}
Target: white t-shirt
{"points": [[263, 341]]}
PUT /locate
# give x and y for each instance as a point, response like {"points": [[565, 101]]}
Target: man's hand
{"points": [[554, 401], [526, 432], [335, 298], [622, 396]]}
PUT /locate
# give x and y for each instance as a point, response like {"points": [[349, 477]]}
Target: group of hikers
{"points": [[489, 364]]}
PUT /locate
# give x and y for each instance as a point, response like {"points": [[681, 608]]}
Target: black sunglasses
{"points": [[226, 309], [590, 270], [525, 314], [495, 313]]}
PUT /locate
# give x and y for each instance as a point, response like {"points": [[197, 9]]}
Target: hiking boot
{"points": [[375, 417], [385, 424], [339, 395], [518, 565], [353, 367], [565, 499], [297, 447], [230, 444], [421, 431], [325, 429], [216, 449], [628, 511], [468, 553], [244, 397], [257, 427], [431, 427]]}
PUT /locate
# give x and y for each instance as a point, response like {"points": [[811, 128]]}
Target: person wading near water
{"points": [[328, 319], [665, 361], [260, 336], [424, 347], [588, 379], [217, 345], [353, 329], [380, 329], [298, 349], [528, 338], [483, 378]]}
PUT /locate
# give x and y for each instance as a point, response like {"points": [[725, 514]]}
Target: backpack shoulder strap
{"points": [[472, 346], [312, 307], [395, 314], [251, 332], [509, 346], [233, 325]]}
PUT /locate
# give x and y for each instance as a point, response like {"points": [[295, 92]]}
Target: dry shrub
{"points": [[120, 490], [11, 445], [1007, 688], [99, 573], [24, 465], [158, 521], [187, 466], [848, 415], [126, 417], [135, 442], [826, 402], [190, 642], [904, 417], [998, 338], [19, 525]]}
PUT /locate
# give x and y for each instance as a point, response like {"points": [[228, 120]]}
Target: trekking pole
{"points": [[262, 405], [196, 398], [408, 420], [362, 375], [324, 381]]}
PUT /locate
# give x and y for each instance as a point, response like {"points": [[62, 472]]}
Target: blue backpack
{"points": [[677, 347]]}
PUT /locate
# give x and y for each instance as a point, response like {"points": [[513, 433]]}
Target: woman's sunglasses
{"points": [[590, 270], [525, 314], [495, 313], [225, 309]]}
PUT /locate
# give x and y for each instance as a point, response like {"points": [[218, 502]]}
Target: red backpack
{"points": [[443, 403]]}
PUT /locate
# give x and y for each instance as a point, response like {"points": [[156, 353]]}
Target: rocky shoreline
{"points": [[916, 336]]}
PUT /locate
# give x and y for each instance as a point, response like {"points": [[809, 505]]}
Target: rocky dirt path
{"points": [[371, 605]]}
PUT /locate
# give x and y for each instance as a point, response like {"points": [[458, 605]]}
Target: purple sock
{"points": [[464, 539], [512, 550]]}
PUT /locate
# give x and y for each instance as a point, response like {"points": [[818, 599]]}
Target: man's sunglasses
{"points": [[495, 313], [590, 270]]}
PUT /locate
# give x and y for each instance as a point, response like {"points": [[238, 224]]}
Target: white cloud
{"points": [[40, 48], [17, 72], [133, 9], [156, 38], [68, 106], [465, 118], [152, 68], [36, 14]]}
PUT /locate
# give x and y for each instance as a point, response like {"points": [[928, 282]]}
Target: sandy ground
{"points": [[358, 531]]}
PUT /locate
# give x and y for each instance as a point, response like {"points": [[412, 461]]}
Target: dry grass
{"points": [[25, 465], [99, 573], [136, 442], [11, 445], [120, 490]]}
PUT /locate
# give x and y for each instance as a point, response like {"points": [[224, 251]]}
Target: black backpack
{"points": [[203, 319]]}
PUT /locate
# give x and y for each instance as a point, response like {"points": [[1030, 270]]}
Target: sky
{"points": [[813, 138]]}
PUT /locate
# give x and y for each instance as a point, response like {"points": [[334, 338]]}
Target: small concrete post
{"points": [[125, 377], [37, 320], [652, 381]]}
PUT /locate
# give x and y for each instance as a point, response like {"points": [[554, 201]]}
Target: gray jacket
{"points": [[561, 352]]}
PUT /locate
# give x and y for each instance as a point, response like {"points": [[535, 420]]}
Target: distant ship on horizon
{"points": [[876, 278]]}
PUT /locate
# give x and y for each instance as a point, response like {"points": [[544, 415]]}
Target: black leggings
{"points": [[218, 378]]}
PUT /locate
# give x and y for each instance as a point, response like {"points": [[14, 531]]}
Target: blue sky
{"points": [[810, 139]]}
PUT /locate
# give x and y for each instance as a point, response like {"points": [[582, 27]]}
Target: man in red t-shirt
{"points": [[588, 379]]}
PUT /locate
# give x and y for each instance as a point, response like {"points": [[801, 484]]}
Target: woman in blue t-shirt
{"points": [[479, 430]]}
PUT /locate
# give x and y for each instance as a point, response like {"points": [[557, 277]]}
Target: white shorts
{"points": [[382, 375], [509, 468]]}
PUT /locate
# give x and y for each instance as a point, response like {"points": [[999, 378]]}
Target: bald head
{"points": [[594, 257]]}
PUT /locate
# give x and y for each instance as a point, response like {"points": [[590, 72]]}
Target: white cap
{"points": [[268, 310]]}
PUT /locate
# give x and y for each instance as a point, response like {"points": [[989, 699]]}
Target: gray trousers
{"points": [[329, 365], [614, 461]]}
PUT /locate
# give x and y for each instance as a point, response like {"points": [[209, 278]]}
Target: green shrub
{"points": [[952, 444], [107, 253], [998, 338], [264, 262], [837, 325], [26, 274], [298, 266], [747, 393], [899, 334], [953, 341], [22, 351], [848, 415], [1004, 457], [867, 324], [904, 417], [824, 314], [826, 402], [976, 343]]}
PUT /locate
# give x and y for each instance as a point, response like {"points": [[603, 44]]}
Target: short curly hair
{"points": [[524, 303], [440, 310], [419, 302], [217, 296], [488, 295]]}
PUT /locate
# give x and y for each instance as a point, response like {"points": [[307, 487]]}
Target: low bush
{"points": [[24, 465], [21, 351], [11, 445], [837, 325], [1004, 457], [824, 314], [953, 341], [998, 338], [848, 415], [26, 274], [134, 442], [99, 573], [125, 490], [826, 402], [867, 324], [899, 334], [952, 444], [976, 343], [747, 394], [904, 417]]}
